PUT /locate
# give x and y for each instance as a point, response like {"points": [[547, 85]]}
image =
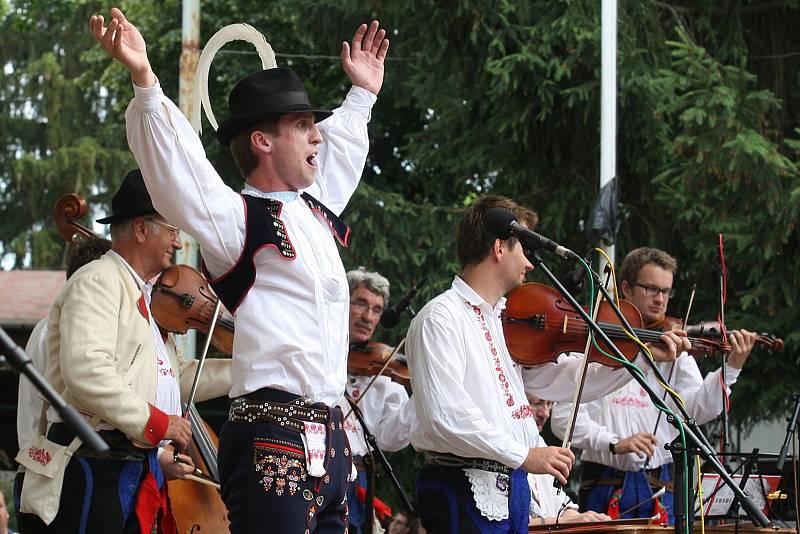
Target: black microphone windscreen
{"points": [[498, 222], [390, 318]]}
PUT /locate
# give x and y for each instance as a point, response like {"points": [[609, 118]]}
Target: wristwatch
{"points": [[612, 445]]}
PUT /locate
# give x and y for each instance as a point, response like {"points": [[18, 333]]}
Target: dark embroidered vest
{"points": [[264, 228]]}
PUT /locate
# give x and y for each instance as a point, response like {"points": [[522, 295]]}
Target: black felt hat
{"points": [[131, 199], [263, 95]]}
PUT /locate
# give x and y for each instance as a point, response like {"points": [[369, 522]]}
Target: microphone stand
{"points": [[370, 466], [24, 366], [690, 428], [790, 429]]}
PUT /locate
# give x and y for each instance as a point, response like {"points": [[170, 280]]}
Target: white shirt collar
{"points": [[280, 196], [467, 293]]}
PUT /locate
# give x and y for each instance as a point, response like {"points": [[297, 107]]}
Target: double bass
{"points": [[177, 305]]}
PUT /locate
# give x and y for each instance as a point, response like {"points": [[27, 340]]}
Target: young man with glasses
{"points": [[621, 445]]}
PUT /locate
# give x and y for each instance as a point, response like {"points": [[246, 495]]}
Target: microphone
{"points": [[391, 316], [501, 224]]}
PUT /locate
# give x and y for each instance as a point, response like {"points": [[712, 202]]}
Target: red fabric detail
{"points": [[276, 446], [382, 510], [142, 305], [153, 505], [661, 512], [156, 426], [613, 504]]}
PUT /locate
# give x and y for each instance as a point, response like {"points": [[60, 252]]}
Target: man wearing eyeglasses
{"points": [[108, 358], [385, 407], [622, 446]]}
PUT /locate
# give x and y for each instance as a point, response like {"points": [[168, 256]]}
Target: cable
{"points": [[660, 405], [700, 496]]}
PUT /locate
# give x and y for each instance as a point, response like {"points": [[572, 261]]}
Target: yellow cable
{"points": [[613, 273], [700, 496], [631, 335]]}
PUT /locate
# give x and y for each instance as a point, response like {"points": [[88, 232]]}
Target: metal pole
{"points": [[190, 53], [608, 99]]}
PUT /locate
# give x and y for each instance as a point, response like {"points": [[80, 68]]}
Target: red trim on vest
{"points": [[314, 205], [156, 426]]}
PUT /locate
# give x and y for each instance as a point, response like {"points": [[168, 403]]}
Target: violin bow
{"points": [[386, 363], [196, 380], [570, 430], [723, 332]]}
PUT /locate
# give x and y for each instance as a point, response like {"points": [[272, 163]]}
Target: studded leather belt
{"points": [[449, 460], [290, 415]]}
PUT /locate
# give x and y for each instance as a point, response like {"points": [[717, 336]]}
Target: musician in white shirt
{"points": [[553, 506], [273, 257], [618, 434], [475, 423], [385, 406]]}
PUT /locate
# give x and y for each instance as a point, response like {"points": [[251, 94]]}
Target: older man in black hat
{"points": [[284, 459], [107, 357]]}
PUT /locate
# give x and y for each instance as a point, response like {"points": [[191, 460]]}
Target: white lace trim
{"points": [[491, 493]]}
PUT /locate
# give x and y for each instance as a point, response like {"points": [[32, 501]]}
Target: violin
{"points": [[711, 329], [181, 297], [182, 300], [539, 324], [367, 359], [195, 507]]}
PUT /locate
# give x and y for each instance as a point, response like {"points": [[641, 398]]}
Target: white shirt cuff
{"points": [[148, 98], [517, 453], [731, 374], [360, 101]]}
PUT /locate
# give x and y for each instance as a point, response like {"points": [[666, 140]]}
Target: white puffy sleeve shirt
{"points": [[291, 328], [469, 396], [629, 410], [388, 412]]}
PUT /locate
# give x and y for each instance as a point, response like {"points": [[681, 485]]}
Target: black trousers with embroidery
{"points": [[265, 483]]}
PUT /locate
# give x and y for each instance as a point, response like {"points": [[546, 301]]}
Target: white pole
{"points": [[190, 53], [608, 98]]}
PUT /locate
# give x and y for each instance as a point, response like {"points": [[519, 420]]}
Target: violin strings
{"points": [[578, 328]]}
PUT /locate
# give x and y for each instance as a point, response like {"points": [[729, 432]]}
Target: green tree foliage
{"points": [[52, 114], [480, 96]]}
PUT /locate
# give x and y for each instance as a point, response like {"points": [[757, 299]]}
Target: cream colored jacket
{"points": [[96, 334]]}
